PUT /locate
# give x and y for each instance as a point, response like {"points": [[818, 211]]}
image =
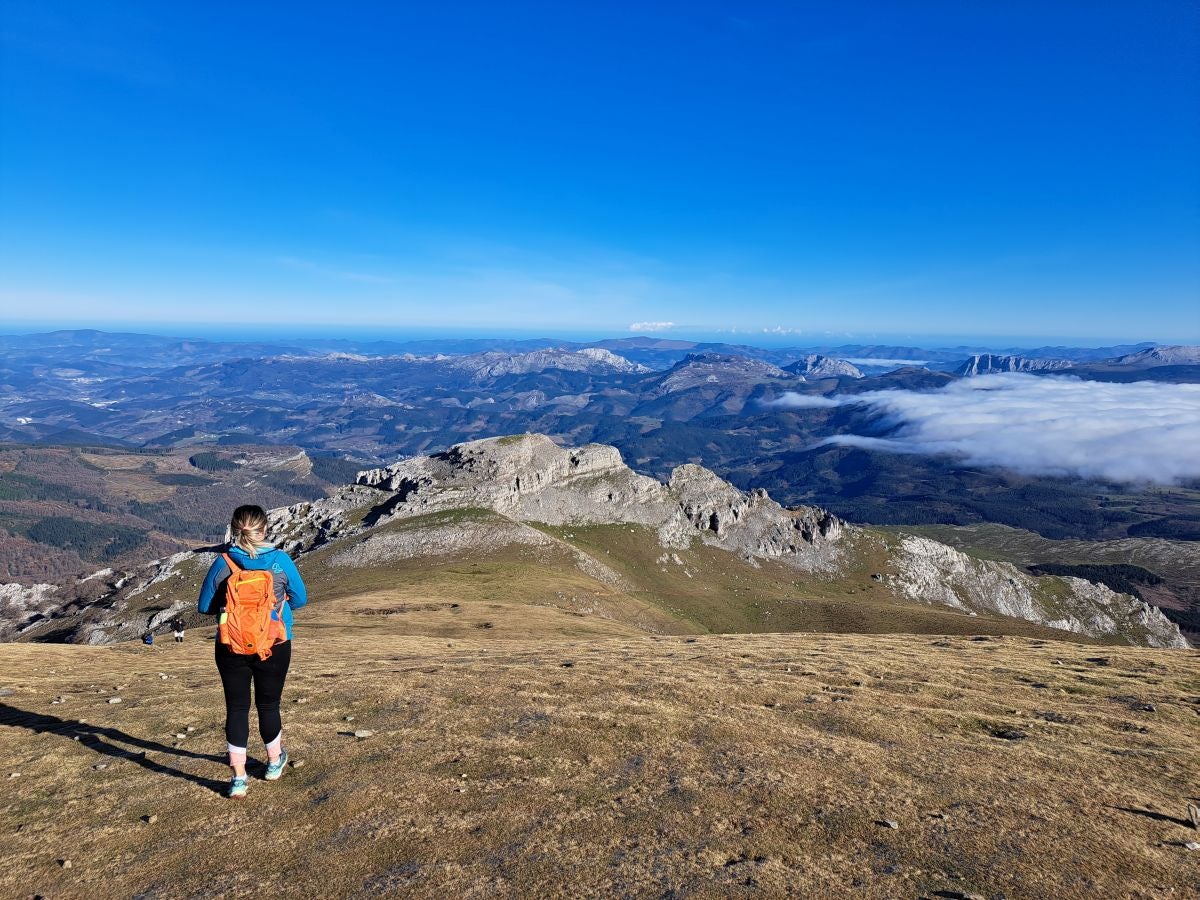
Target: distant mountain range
{"points": [[146, 351], [661, 402], [374, 400], [181, 421], [1174, 363]]}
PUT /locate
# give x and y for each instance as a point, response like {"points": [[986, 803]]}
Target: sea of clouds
{"points": [[1143, 432]]}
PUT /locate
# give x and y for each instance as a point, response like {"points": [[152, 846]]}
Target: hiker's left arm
{"points": [[216, 572], [297, 595]]}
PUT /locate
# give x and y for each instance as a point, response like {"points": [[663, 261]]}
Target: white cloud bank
{"points": [[651, 326], [1138, 433]]}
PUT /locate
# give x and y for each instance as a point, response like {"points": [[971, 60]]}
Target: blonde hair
{"points": [[248, 529]]}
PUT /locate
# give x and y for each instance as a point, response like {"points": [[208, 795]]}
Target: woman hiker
{"points": [[254, 587]]}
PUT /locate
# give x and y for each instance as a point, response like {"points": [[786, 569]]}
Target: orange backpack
{"points": [[246, 625]]}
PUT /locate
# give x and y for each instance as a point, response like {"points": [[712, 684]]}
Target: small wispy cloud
{"points": [[755, 329], [793, 400], [1143, 432], [651, 326], [304, 265]]}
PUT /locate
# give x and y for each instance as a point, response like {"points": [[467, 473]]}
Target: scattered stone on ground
{"points": [[1009, 734]]}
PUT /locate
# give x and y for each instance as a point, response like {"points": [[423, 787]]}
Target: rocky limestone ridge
{"points": [[494, 363], [1175, 355], [530, 479], [26, 606], [990, 363], [608, 358], [931, 572], [708, 367], [816, 366], [21, 603]]}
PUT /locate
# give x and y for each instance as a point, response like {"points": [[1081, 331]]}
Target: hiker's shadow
{"points": [[106, 741]]}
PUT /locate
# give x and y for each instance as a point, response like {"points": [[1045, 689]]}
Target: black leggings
{"points": [[237, 671]]}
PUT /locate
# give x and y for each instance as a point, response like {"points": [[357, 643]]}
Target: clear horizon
{"points": [[988, 169], [763, 339]]}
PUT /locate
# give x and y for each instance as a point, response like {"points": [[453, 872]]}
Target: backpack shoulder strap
{"points": [[233, 567]]}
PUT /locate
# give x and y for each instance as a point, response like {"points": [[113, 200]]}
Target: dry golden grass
{"points": [[540, 733], [607, 765]]}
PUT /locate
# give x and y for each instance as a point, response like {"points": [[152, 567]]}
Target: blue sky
{"points": [[793, 169]]}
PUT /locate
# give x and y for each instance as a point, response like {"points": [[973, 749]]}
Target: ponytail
{"points": [[248, 529]]}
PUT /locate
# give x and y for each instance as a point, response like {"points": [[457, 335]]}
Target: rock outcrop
{"points": [[1174, 355], [722, 369], [990, 363], [931, 572], [816, 366], [495, 364], [20, 604], [530, 478]]}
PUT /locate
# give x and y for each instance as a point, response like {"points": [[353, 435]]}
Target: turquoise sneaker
{"points": [[275, 769], [238, 785]]}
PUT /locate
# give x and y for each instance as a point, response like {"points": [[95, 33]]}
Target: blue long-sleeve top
{"points": [[289, 586]]}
